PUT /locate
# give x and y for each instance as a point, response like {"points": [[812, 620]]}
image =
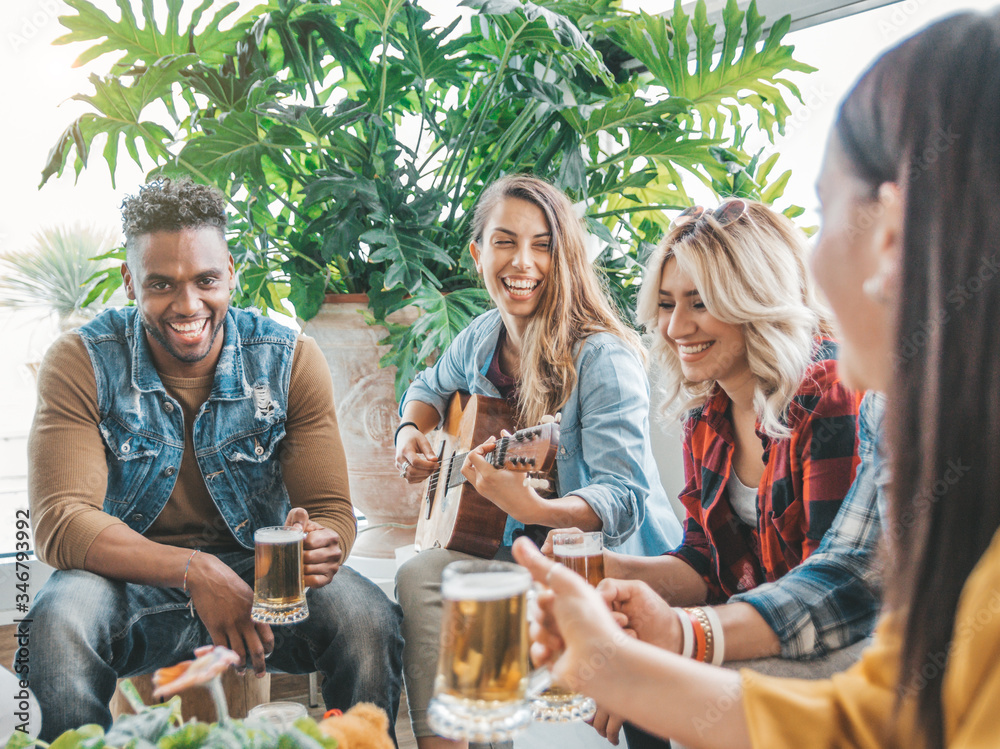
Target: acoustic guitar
{"points": [[453, 514]]}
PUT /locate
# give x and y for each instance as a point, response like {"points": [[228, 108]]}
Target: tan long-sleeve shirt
{"points": [[67, 470]]}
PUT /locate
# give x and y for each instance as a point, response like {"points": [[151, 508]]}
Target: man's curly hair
{"points": [[172, 205]]}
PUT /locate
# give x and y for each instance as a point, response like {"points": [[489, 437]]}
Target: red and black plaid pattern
{"points": [[806, 477]]}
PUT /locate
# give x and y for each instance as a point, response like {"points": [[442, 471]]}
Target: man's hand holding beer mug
{"points": [[224, 602], [321, 552], [287, 559]]}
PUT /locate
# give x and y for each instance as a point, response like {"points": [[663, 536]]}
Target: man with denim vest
{"points": [[165, 435]]}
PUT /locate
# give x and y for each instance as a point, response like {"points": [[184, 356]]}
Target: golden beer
{"points": [[584, 554], [483, 671], [484, 643], [581, 552], [588, 566], [279, 593]]}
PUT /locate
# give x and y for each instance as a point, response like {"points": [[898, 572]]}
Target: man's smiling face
{"points": [[181, 282]]}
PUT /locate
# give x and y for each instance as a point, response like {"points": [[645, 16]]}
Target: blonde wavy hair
{"points": [[752, 273], [573, 304]]}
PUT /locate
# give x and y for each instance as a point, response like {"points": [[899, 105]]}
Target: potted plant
{"points": [[352, 139], [55, 275]]}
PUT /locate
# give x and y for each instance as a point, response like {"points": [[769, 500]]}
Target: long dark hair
{"points": [[926, 116]]}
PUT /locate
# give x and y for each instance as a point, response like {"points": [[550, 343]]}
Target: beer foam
{"points": [[576, 550], [485, 586], [277, 535]]}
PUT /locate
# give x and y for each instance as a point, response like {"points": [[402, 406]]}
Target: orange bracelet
{"points": [[699, 636]]}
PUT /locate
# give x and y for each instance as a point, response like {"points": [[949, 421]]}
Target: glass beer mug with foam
{"points": [[482, 682], [279, 592], [582, 552]]}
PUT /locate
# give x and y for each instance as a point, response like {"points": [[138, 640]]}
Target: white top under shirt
{"points": [[743, 498]]}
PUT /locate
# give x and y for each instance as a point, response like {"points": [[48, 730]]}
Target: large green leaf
{"points": [[119, 115], [235, 145], [405, 252], [623, 111], [378, 12], [427, 53], [716, 93], [147, 43], [443, 317], [531, 25], [315, 123]]}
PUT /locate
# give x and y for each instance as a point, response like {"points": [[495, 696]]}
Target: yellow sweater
{"points": [[856, 708]]}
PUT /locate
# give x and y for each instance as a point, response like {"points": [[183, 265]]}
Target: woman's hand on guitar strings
{"points": [[505, 489], [415, 458]]}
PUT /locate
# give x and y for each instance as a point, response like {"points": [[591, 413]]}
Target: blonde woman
{"points": [[770, 446], [553, 344], [770, 431]]}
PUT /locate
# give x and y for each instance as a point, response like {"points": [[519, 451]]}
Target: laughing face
{"points": [[708, 348], [514, 258], [181, 282]]}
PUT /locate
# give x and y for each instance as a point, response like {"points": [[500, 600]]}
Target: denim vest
{"points": [[237, 431]]}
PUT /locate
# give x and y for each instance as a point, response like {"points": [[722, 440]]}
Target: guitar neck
{"points": [[455, 476]]}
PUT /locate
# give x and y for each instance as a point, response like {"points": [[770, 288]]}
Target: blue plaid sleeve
{"points": [[831, 600]]}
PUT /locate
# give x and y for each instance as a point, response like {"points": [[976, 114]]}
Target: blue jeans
{"points": [[88, 631]]}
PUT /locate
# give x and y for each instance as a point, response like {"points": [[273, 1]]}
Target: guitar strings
{"points": [[501, 447]]}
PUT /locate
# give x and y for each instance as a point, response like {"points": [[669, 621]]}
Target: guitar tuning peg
{"points": [[536, 483]]}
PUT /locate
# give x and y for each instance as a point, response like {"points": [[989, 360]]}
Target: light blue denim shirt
{"points": [[604, 454]]}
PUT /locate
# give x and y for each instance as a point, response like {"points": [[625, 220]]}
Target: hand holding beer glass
{"points": [[583, 553], [279, 592]]}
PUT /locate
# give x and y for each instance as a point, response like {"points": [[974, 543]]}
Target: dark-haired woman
{"points": [[908, 261], [553, 344]]}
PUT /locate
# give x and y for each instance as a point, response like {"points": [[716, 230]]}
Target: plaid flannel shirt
{"points": [[831, 600], [805, 480]]}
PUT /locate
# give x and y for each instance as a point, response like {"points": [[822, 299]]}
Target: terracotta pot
{"points": [[366, 414]]}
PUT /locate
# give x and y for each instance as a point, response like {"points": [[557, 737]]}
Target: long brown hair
{"points": [[573, 304], [925, 117]]}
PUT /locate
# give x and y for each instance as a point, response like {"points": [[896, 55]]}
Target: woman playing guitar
{"points": [[553, 344]]}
